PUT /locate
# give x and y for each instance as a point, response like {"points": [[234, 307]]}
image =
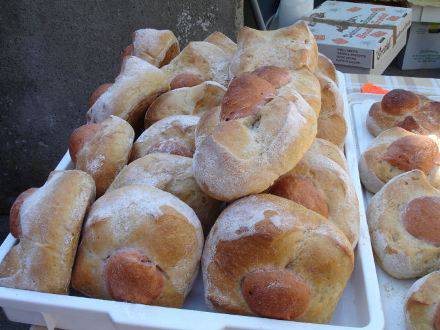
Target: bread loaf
{"points": [[47, 222], [194, 101], [140, 245], [102, 150], [173, 135], [405, 109], [422, 306], [271, 257], [173, 174], [322, 185], [157, 47], [404, 222], [396, 151], [263, 128], [136, 87], [223, 42]]}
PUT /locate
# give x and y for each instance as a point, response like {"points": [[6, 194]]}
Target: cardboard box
{"points": [[425, 11], [360, 35], [423, 47]]}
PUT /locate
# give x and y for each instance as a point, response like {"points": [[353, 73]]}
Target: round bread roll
{"points": [[223, 42], [422, 306], [262, 130], [172, 135], [404, 223], [173, 174], [140, 245], [157, 47], [293, 47], [322, 185], [102, 150], [405, 109], [331, 121], [396, 151], [47, 223], [136, 87], [271, 257], [194, 101], [199, 61]]}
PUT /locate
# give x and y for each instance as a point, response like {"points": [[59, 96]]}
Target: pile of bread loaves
{"points": [[253, 129], [402, 169]]}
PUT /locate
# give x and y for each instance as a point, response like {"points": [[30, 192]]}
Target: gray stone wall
{"points": [[55, 53]]}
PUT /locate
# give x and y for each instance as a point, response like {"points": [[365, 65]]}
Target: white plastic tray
{"points": [[359, 307], [392, 291]]}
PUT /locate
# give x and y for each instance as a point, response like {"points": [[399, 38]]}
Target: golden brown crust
{"points": [[270, 233], [14, 215], [159, 226], [276, 294], [421, 219], [222, 41], [50, 222], [326, 67], [301, 190], [399, 101], [413, 152], [185, 80], [131, 276], [97, 93], [102, 150]]}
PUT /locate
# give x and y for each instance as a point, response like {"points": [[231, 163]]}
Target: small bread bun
{"points": [[223, 42], [422, 306], [140, 245], [293, 47], [405, 109], [271, 257], [136, 87], [194, 101], [157, 47], [396, 151], [404, 223], [262, 129], [172, 135], [47, 222], [102, 150], [173, 174], [199, 61], [322, 185]]}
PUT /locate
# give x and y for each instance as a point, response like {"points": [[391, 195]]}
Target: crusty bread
{"points": [[322, 185], [194, 101], [173, 135], [139, 244], [293, 47], [97, 93], [404, 223], [157, 47], [136, 87], [198, 61], [271, 257], [405, 109], [223, 42], [326, 67], [102, 150], [396, 151], [328, 149], [173, 174], [422, 306], [47, 222], [331, 121], [262, 129]]}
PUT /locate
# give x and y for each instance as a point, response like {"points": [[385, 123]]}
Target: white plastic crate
{"points": [[359, 307]]}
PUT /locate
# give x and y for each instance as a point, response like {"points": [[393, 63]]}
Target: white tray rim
{"points": [[154, 317]]}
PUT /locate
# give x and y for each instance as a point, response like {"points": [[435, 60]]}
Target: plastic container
{"points": [[392, 291], [359, 307]]}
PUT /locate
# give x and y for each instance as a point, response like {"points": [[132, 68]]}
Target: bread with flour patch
{"points": [[141, 245], [47, 223], [422, 305], [404, 223], [396, 151], [271, 257]]}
